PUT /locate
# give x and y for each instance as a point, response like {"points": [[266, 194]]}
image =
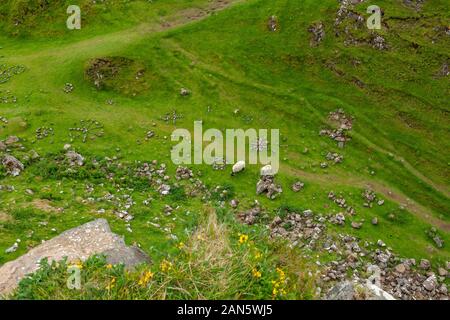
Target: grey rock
{"points": [[342, 291], [75, 159], [12, 165], [75, 244], [11, 140], [425, 264], [430, 283]]}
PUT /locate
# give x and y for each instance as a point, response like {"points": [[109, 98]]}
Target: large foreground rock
{"points": [[76, 244]]}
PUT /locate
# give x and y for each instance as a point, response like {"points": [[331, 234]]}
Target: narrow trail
{"points": [[126, 37], [387, 191]]}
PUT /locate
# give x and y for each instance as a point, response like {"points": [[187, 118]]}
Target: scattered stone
{"points": [[150, 134], [11, 140], [425, 264], [88, 130], [8, 97], [43, 132], [442, 272], [75, 159], [378, 42], [68, 87], [356, 225], [444, 71], [266, 185], [13, 166], [184, 92], [375, 221], [183, 173], [234, 203], [164, 189], [400, 268], [430, 283], [249, 217], [297, 186], [273, 24], [343, 124], [335, 157], [300, 229], [338, 219], [432, 233], [318, 33], [7, 72]]}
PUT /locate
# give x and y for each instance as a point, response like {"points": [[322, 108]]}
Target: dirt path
{"points": [[378, 187], [120, 39]]}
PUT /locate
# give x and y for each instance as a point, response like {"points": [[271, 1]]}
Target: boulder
{"points": [[75, 244], [11, 140], [12, 165], [75, 159]]}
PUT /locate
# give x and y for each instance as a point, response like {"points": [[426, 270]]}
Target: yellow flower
{"points": [[243, 238], [111, 284], [145, 278], [165, 265], [258, 255], [256, 273], [78, 264], [180, 245], [275, 291], [200, 237], [281, 274], [109, 266]]}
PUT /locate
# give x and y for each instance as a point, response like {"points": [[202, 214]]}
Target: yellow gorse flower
{"points": [[111, 284], [145, 278], [257, 274], [78, 264], [180, 245], [165, 265], [279, 284], [281, 274]]}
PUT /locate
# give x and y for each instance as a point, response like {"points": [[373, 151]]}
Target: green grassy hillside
{"points": [[225, 55]]}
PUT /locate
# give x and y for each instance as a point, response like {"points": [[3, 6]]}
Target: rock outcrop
{"points": [[76, 244]]}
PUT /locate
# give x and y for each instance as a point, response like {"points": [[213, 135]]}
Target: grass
{"points": [[208, 266], [228, 61]]}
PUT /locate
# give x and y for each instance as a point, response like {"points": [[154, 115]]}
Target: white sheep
{"points": [[238, 167], [267, 171]]}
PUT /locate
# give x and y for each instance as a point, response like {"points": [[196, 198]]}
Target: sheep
{"points": [[267, 171], [238, 167]]}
